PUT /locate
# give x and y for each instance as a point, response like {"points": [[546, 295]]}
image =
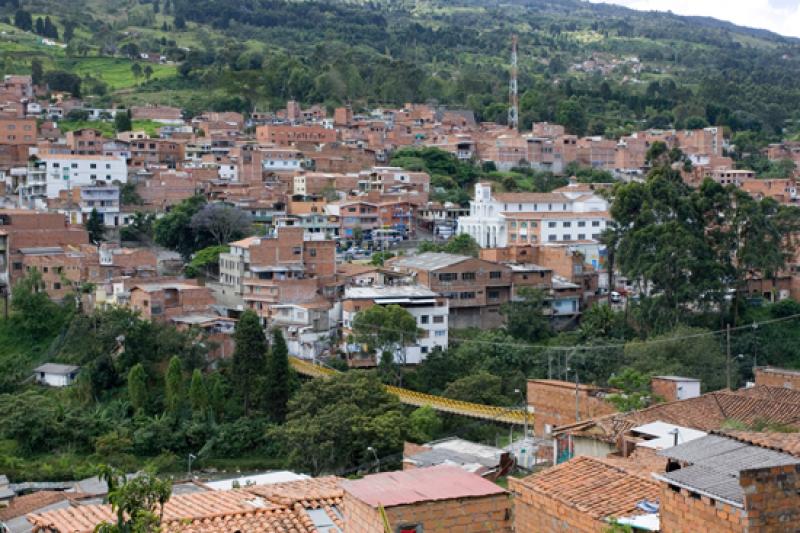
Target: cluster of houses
{"points": [[315, 185], [678, 466]]}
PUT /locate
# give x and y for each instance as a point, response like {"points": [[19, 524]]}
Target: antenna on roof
{"points": [[513, 93]]}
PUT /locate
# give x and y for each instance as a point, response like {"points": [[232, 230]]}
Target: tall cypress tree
{"points": [[278, 379], [137, 387], [249, 357], [198, 394], [173, 387]]}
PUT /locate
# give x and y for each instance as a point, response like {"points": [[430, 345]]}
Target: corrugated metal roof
{"points": [[436, 483], [715, 463], [429, 260]]}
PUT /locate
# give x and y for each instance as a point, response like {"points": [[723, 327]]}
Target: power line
{"points": [[578, 347]]}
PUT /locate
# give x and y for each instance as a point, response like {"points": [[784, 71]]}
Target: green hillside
{"points": [[633, 69]]}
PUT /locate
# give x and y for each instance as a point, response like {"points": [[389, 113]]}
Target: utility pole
{"points": [[728, 354], [513, 91], [577, 400]]}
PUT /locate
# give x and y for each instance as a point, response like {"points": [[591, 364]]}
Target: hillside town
{"points": [[309, 225]]}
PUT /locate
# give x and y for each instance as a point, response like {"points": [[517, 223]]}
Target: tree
{"points": [[69, 31], [136, 70], [175, 230], [38, 26], [137, 387], [278, 376], [95, 227], [249, 357], [138, 503], [224, 223], [461, 244], [206, 262], [36, 314], [37, 72], [148, 72], [525, 317], [50, 29], [23, 20], [198, 393], [634, 390], [180, 22], [59, 80], [572, 116], [481, 387], [331, 423], [173, 387], [425, 424], [217, 397], [122, 121], [387, 328]]}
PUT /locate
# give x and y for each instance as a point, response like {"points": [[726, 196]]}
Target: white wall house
{"points": [[68, 171], [56, 375], [489, 219], [430, 310]]}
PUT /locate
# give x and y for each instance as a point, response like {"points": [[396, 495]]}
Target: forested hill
{"points": [[622, 68]]}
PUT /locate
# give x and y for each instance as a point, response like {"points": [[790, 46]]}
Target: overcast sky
{"points": [[780, 16]]}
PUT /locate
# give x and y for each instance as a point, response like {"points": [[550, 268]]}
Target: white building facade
{"points": [[64, 172], [491, 215]]}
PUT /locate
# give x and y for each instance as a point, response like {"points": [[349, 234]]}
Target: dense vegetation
{"points": [[688, 72]]}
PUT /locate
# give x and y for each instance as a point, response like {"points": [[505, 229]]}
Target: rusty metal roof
{"points": [[406, 487]]}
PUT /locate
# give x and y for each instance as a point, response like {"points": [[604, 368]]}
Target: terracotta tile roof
{"points": [[779, 394], [707, 412], [22, 505], [592, 486], [782, 442], [275, 508], [200, 505], [269, 521]]}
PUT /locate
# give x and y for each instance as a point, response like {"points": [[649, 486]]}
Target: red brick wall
{"points": [[553, 403], [479, 515], [772, 498], [684, 512], [775, 377], [535, 512], [664, 388]]}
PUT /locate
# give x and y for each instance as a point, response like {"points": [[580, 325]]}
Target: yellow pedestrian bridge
{"points": [[446, 405]]}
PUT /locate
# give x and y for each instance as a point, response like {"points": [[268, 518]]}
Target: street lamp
{"points": [[375, 454], [192, 457], [524, 406]]}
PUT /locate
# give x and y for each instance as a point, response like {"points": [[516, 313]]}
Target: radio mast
{"points": [[513, 93]]}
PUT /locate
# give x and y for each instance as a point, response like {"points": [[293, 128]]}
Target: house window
{"points": [[468, 276], [448, 276], [495, 274], [566, 237], [595, 236], [423, 349], [582, 224], [567, 224], [56, 165], [467, 295], [551, 237], [297, 250], [92, 165], [313, 252], [551, 224], [56, 285], [440, 332], [438, 319], [424, 319], [74, 165], [595, 223], [17, 266], [493, 295], [581, 236], [410, 528]]}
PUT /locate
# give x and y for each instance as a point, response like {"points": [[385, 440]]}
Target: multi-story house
{"points": [[63, 172], [497, 220], [428, 308], [355, 216], [474, 287], [163, 300]]}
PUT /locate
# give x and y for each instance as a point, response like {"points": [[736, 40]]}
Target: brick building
{"points": [[720, 484], [581, 495], [778, 377], [285, 135], [475, 288], [17, 131], [444, 499], [557, 403], [167, 299]]}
